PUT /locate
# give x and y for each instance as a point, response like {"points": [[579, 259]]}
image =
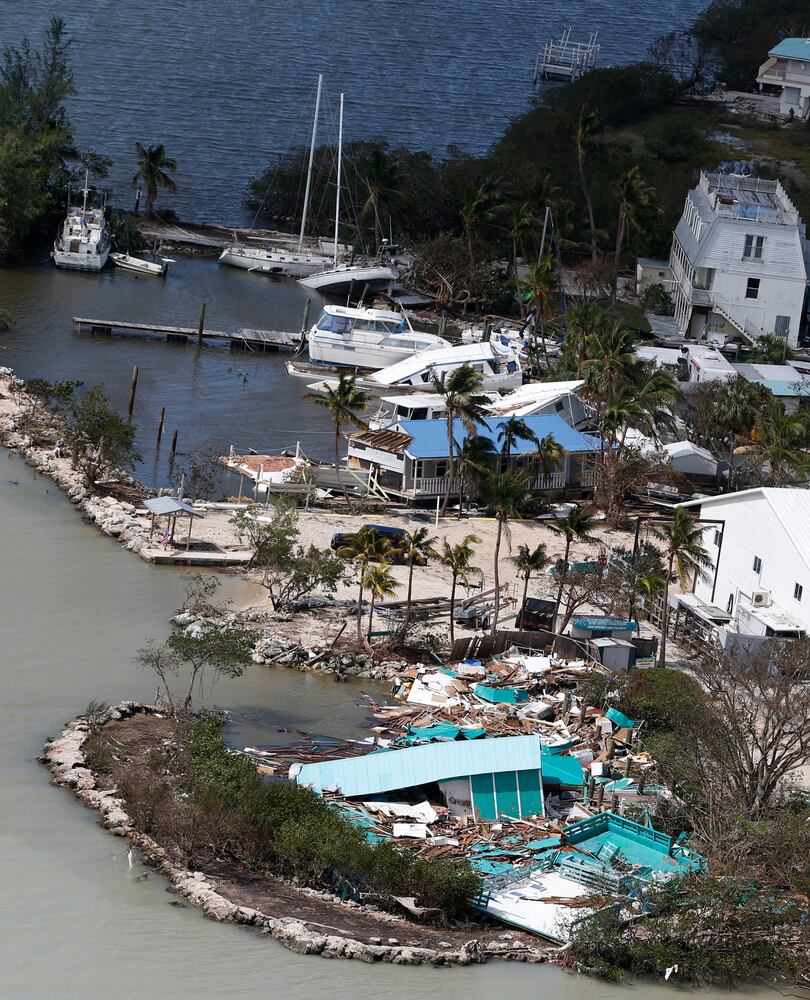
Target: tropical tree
{"points": [[577, 525], [154, 167], [364, 547], [458, 559], [587, 123], [343, 402], [511, 431], [520, 220], [505, 496], [463, 401], [686, 556], [477, 208], [770, 350], [379, 583], [529, 561], [415, 547], [383, 184], [635, 197], [543, 283], [585, 319], [779, 440]]}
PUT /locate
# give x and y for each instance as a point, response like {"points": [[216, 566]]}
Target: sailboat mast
{"points": [[339, 178], [311, 161], [84, 202]]}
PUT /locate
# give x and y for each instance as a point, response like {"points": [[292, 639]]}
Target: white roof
{"points": [[526, 398], [411, 399], [168, 505], [791, 507], [660, 355], [438, 358]]}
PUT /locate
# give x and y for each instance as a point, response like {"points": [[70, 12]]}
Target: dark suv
{"points": [[393, 535]]}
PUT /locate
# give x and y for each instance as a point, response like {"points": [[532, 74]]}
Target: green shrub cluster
{"points": [[296, 832]]}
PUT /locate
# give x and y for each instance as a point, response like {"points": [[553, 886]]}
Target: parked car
{"points": [[393, 535]]}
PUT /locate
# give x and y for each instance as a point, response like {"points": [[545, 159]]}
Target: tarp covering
{"points": [[443, 731]]}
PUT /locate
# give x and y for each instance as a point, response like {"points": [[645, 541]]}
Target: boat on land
{"points": [[366, 338], [281, 261], [140, 266], [83, 240]]}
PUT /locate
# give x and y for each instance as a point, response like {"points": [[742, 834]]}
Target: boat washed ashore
{"points": [[83, 240]]}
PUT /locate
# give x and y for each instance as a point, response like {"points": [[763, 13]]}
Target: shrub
{"points": [[665, 699]]}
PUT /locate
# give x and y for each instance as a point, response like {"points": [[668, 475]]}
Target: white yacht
{"points": [[83, 240], [498, 365], [366, 338], [295, 263]]}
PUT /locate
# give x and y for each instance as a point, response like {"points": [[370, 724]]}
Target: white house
{"points": [[787, 68], [739, 261], [758, 542]]}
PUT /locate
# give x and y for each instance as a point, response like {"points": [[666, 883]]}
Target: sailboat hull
{"points": [[339, 281], [279, 262]]}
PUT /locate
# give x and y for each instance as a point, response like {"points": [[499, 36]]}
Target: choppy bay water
{"points": [[224, 85]]}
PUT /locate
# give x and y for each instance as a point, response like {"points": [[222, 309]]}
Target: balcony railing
{"points": [[437, 485]]}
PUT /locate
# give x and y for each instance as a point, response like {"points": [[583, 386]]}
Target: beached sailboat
{"points": [[278, 260], [362, 274], [83, 240]]}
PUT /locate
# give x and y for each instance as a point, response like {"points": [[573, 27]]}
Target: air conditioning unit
{"points": [[761, 599]]}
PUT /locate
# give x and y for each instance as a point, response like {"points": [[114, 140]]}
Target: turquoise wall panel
{"points": [[483, 796], [531, 798], [507, 794]]}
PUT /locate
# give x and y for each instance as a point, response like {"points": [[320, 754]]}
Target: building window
{"points": [[757, 564], [782, 326], [752, 288], [559, 406], [797, 591], [753, 247], [717, 539]]}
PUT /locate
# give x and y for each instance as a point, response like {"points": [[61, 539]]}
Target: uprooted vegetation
{"points": [[200, 801]]}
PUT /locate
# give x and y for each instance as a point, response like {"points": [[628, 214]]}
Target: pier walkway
{"points": [[242, 339]]}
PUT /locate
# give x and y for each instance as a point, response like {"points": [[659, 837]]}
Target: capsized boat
{"points": [[83, 240], [140, 266], [341, 279], [366, 338]]}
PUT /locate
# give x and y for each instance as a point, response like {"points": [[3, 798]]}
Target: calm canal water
{"points": [[74, 922], [226, 85]]}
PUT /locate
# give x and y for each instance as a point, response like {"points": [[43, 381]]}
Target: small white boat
{"points": [[366, 338], [139, 266], [83, 240], [375, 276]]}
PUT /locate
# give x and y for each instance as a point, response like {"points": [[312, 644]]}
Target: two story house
{"points": [[787, 69], [739, 261]]}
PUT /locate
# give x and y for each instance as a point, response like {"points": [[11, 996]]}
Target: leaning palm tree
{"points": [[635, 197], [464, 401], [343, 402], [577, 525], [520, 220], [154, 167], [379, 583], [506, 496], [528, 561], [511, 431], [458, 559], [476, 209], [587, 123], [363, 548], [415, 547], [686, 556], [543, 283]]}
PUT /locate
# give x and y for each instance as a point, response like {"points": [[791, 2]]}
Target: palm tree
{"points": [[610, 356], [528, 561], [477, 207], [584, 320], [770, 350], [463, 401], [543, 283], [154, 167], [634, 196], [779, 440], [476, 458], [380, 583], [577, 524], [520, 220], [511, 431], [686, 556], [383, 186], [587, 124], [364, 547], [416, 547], [343, 402], [458, 559], [506, 496]]}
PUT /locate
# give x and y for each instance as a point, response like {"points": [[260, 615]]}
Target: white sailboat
{"points": [[340, 279], [83, 241], [278, 260]]}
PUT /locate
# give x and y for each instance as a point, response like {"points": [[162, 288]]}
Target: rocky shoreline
{"points": [[65, 759]]}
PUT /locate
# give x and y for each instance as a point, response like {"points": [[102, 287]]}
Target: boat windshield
{"points": [[334, 324]]}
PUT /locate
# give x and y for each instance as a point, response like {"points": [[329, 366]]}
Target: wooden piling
{"points": [[174, 446], [160, 424], [201, 324], [133, 385], [305, 324]]}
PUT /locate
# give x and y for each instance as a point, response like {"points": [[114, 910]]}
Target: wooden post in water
{"points": [[443, 325], [305, 322], [160, 425], [201, 324], [174, 447], [133, 385]]}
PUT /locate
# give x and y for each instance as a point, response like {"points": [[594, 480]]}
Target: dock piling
{"points": [[201, 324], [305, 323], [132, 387], [174, 446], [160, 425]]}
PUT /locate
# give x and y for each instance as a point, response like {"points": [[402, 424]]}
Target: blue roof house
{"points": [[787, 70], [497, 778], [411, 457]]}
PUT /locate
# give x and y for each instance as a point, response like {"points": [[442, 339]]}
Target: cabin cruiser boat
{"points": [[139, 266], [83, 241], [366, 338]]}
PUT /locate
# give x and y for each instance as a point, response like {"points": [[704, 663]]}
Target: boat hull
{"points": [[281, 264], [80, 261], [136, 266], [340, 281]]}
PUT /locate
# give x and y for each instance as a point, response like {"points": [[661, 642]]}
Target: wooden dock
{"points": [[238, 340]]}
